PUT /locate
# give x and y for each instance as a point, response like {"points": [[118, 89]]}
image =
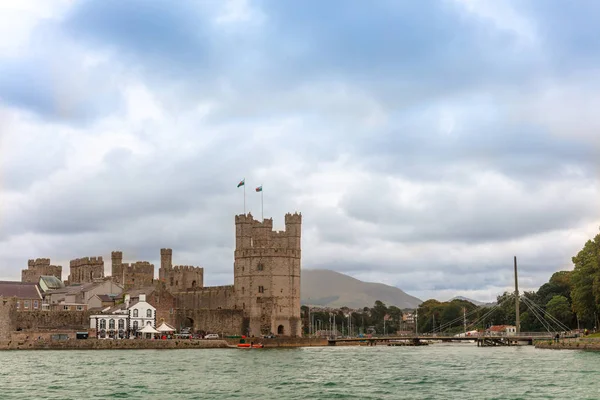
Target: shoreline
{"points": [[156, 344], [570, 344]]}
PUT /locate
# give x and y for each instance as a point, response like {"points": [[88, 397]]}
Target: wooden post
{"points": [[518, 320]]}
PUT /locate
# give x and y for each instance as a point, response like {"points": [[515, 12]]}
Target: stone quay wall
{"points": [[569, 344], [95, 344]]}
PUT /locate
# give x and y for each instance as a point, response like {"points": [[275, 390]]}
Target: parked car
{"points": [[211, 336]]}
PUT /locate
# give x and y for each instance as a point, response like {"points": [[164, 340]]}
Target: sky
{"points": [[425, 143]]}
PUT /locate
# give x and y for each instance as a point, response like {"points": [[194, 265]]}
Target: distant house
{"points": [[501, 330], [101, 301], [28, 295], [78, 296], [125, 320]]}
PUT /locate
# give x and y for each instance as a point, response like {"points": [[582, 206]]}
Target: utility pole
{"points": [[417, 322], [465, 320], [518, 320]]}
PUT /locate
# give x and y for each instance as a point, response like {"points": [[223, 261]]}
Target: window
{"points": [[121, 324], [149, 313], [261, 289], [102, 324], [193, 284], [149, 323], [135, 313], [66, 308], [244, 306], [135, 325], [259, 299], [35, 304], [26, 303], [171, 281], [260, 267], [18, 304], [79, 308], [111, 324]]}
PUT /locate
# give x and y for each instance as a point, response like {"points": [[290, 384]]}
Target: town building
{"points": [[501, 330], [27, 295], [78, 296], [125, 320]]}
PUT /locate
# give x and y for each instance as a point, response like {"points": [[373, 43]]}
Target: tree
{"points": [[560, 309], [585, 292]]}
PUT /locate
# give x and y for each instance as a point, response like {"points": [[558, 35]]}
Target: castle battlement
{"points": [[268, 252], [190, 268], [139, 267], [78, 262], [38, 262]]}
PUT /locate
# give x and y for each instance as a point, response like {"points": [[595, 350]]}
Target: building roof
{"points": [[51, 282], [499, 328], [20, 290], [135, 293], [74, 289], [105, 297]]}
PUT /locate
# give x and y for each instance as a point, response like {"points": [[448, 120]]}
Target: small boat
{"points": [[250, 346]]}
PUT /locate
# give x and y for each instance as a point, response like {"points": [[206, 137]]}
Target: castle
{"points": [[40, 267], [264, 298]]}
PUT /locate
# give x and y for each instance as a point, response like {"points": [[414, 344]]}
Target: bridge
{"points": [[481, 340]]}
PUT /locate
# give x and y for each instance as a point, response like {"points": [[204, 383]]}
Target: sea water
{"points": [[453, 371]]}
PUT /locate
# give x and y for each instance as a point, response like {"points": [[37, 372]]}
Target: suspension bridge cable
{"points": [[552, 318], [538, 316], [559, 324]]}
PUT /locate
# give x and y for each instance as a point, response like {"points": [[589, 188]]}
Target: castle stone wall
{"points": [[47, 320], [8, 311], [223, 322], [212, 297]]}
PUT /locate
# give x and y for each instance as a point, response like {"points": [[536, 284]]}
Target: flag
{"points": [[259, 189], [242, 182]]}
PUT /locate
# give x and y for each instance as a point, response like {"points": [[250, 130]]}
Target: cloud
{"points": [[425, 143]]}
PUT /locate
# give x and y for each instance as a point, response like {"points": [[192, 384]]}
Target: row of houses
{"points": [[51, 294]]}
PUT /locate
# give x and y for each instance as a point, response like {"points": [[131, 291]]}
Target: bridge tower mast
{"points": [[518, 320]]}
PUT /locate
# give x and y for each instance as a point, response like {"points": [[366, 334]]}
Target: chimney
{"points": [[127, 298], [142, 298]]}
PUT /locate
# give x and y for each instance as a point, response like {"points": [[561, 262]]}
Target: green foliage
{"points": [[560, 309], [585, 291], [360, 322]]}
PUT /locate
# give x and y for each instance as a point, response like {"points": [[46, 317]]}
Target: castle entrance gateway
{"points": [[280, 330]]}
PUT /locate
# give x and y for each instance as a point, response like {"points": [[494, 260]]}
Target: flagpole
{"points": [[244, 196], [262, 212]]}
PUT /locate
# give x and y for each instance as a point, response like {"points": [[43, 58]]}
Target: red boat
{"points": [[250, 346]]}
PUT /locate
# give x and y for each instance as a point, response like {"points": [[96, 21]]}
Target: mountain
{"points": [[322, 287], [477, 303]]}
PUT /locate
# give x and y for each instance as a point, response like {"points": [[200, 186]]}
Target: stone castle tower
{"points": [[180, 277], [267, 274], [39, 267], [86, 270], [131, 276]]}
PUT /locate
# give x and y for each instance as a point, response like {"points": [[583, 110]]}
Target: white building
{"points": [[124, 320]]}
